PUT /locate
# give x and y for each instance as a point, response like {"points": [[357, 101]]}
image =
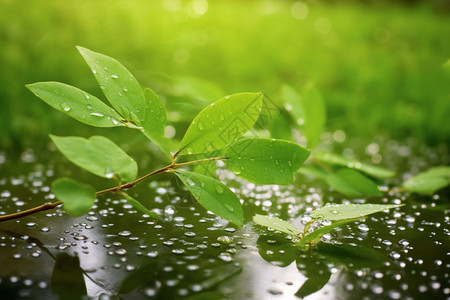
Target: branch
{"points": [[49, 205]]}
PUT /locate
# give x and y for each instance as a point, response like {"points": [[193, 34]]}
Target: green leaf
{"points": [[337, 212], [139, 206], [334, 159], [265, 161], [155, 121], [213, 195], [277, 224], [308, 111], [76, 104], [428, 182], [352, 183], [97, 155], [119, 86], [221, 123], [77, 198], [314, 236]]}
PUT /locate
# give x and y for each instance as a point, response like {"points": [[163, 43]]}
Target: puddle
{"points": [[115, 251]]}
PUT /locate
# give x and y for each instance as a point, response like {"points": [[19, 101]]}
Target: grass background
{"points": [[379, 66]]}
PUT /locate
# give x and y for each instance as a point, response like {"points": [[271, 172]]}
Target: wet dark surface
{"points": [[115, 252]]}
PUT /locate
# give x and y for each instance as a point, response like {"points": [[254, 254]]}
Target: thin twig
{"points": [[50, 205]]}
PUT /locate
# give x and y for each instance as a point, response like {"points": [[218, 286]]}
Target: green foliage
{"points": [[77, 198], [336, 212], [428, 182], [119, 86], [265, 161], [98, 155], [307, 110], [213, 195], [314, 236], [221, 123], [335, 159], [352, 183], [77, 104], [342, 213], [139, 206], [277, 224]]}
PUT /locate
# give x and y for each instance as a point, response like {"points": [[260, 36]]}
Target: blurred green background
{"points": [[380, 66]]}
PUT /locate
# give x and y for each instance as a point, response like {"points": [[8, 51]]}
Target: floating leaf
{"points": [[352, 183], [139, 206], [308, 111], [213, 195], [314, 236], [337, 212], [277, 249], [334, 159], [265, 161], [97, 155], [119, 86], [76, 104], [77, 198], [428, 182], [277, 224], [221, 123]]}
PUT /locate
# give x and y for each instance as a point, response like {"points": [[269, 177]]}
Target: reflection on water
{"points": [[116, 251]]}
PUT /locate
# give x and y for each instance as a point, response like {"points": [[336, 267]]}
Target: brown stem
{"points": [[45, 206], [49, 205]]}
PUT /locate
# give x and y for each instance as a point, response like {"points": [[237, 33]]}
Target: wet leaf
{"points": [[265, 161], [277, 224], [155, 121], [308, 111], [428, 182], [352, 183], [76, 104], [337, 212], [314, 236], [77, 198], [335, 159], [213, 195], [98, 155], [119, 86], [140, 206], [221, 123]]}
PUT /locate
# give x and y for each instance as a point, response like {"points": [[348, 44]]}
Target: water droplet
{"points": [[226, 257], [221, 116], [121, 251], [89, 106], [96, 114], [178, 251], [45, 229], [124, 233], [363, 228], [189, 150], [31, 224], [94, 71], [200, 126], [335, 212], [125, 90], [229, 207], [219, 189], [87, 96], [153, 254], [225, 239], [66, 107], [115, 76]]}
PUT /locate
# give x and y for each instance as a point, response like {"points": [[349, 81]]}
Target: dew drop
{"points": [[200, 126], [124, 233], [335, 212], [178, 251], [97, 114], [115, 76], [89, 106], [229, 207], [66, 107], [219, 189], [87, 96]]}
